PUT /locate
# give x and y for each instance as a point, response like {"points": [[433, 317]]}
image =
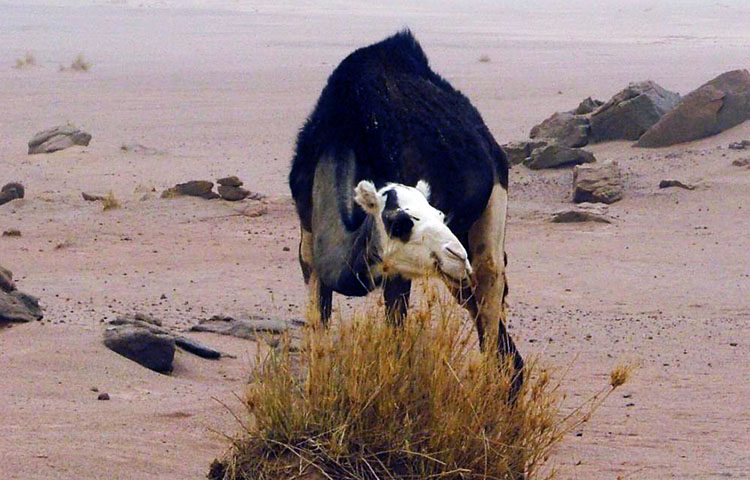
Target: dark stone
{"points": [[553, 156], [154, 325], [233, 193], [628, 114], [11, 191], [232, 181], [139, 149], [675, 183], [587, 106], [741, 162], [91, 198], [11, 233], [20, 307], [517, 152], [564, 128], [103, 396], [718, 105], [152, 350], [6, 280], [58, 138], [584, 212], [741, 145], [193, 188], [247, 328], [597, 183]]}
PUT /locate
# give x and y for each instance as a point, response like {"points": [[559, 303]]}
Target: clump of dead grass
{"points": [[28, 60], [77, 65], [109, 201], [369, 401]]}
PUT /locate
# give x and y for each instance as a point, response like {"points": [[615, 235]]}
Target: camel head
{"points": [[414, 239]]}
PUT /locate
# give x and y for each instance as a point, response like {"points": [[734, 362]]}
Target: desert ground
{"points": [[221, 88]]}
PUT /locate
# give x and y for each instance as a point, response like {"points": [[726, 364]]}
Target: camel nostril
{"points": [[455, 252]]}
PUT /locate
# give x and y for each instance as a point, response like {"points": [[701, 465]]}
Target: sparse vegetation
{"points": [[109, 201], [368, 401], [27, 60], [77, 65], [484, 59]]}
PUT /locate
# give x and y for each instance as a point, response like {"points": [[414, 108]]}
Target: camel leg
{"points": [[396, 292], [487, 252], [320, 297]]}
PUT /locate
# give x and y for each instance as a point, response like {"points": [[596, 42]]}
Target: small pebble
{"points": [[103, 396]]}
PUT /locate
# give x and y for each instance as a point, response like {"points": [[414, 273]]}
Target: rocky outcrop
{"points": [[631, 112], [16, 306], [11, 191], [154, 351], [714, 107], [58, 138], [584, 212], [597, 183], [553, 156], [587, 106], [563, 128], [517, 152]]}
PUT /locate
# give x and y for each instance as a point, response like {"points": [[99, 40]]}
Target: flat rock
{"points": [[564, 128], [741, 162], [517, 152], [90, 197], [584, 212], [631, 112], [233, 194], [193, 188], [597, 183], [11, 191], [58, 138], [713, 107], [232, 181], [11, 232], [247, 328], [152, 350], [675, 183], [16, 306], [139, 149], [153, 325], [554, 156], [741, 145]]}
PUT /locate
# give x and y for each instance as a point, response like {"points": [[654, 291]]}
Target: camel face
{"points": [[414, 239]]}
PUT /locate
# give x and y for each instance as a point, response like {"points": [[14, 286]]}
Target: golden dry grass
{"points": [[369, 401], [109, 201]]}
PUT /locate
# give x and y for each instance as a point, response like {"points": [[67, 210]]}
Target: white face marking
{"points": [[415, 239]]}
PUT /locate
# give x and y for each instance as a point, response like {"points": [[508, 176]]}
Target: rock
{"points": [[232, 181], [584, 212], [152, 350], [597, 183], [741, 162], [17, 306], [11, 233], [58, 138], [11, 191], [6, 280], [103, 396], [247, 328], [91, 198], [193, 188], [587, 106], [564, 128], [154, 325], [517, 152], [139, 149], [714, 107], [233, 194], [739, 145], [628, 114], [675, 183], [552, 156]]}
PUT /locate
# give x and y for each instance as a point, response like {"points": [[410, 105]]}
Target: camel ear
{"points": [[366, 195], [424, 188]]}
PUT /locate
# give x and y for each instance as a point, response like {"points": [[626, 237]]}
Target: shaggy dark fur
{"points": [[403, 123]]}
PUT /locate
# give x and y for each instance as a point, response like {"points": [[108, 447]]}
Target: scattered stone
{"points": [[58, 138], [675, 183], [6, 280], [233, 194], [714, 107], [741, 162], [232, 181], [517, 152], [597, 183], [154, 326], [631, 112], [103, 396], [553, 156], [152, 350], [247, 328], [563, 128], [193, 188], [11, 233], [91, 198], [19, 307], [741, 145], [587, 106], [139, 149], [11, 191], [584, 212]]}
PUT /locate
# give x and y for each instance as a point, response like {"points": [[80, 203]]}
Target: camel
{"points": [[396, 177]]}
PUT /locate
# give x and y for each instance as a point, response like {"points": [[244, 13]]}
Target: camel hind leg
{"points": [[320, 297]]}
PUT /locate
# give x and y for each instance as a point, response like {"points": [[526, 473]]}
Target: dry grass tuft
{"points": [[77, 65], [109, 201], [368, 401], [621, 374], [28, 60]]}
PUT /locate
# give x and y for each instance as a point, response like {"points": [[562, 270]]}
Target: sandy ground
{"points": [[222, 89]]}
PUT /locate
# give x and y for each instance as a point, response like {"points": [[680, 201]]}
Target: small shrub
{"points": [[109, 201], [368, 401], [27, 60], [77, 65]]}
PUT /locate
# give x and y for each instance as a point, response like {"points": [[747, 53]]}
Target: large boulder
{"points": [[587, 106], [554, 156], [628, 114], [16, 306], [152, 350], [564, 128], [517, 152], [714, 107], [11, 191], [597, 183], [58, 138]]}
